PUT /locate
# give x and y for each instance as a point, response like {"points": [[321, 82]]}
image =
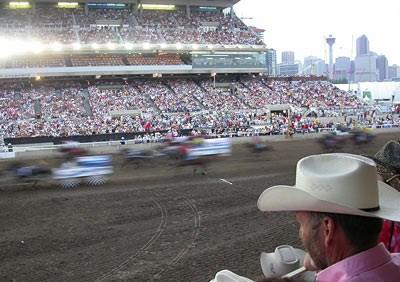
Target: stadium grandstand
{"points": [[71, 69]]}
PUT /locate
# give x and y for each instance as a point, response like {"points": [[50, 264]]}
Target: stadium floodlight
{"points": [[195, 46], [163, 45], [157, 7], [210, 46], [5, 48], [56, 46], [111, 46], [19, 5], [68, 5], [146, 45], [76, 46], [36, 47], [178, 46], [128, 46], [95, 46], [10, 47]]}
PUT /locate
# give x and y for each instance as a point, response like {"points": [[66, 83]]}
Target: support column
{"points": [[33, 7], [86, 9], [188, 11]]}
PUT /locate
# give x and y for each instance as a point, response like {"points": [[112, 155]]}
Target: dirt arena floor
{"points": [[154, 222]]}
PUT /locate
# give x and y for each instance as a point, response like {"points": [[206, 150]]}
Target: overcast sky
{"points": [[302, 25]]}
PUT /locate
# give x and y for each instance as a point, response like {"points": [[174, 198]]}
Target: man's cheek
{"points": [[301, 233]]}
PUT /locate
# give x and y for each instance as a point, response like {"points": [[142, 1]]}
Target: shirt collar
{"points": [[356, 264]]}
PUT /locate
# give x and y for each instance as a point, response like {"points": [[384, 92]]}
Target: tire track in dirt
{"points": [[156, 235], [186, 249], [123, 269]]}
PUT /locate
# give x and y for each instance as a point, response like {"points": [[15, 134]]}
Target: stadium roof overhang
{"points": [[155, 71], [205, 3]]}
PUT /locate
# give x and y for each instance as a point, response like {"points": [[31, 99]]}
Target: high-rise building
{"points": [[352, 70], [287, 58], [393, 72], [289, 70], [342, 68], [314, 66], [362, 45], [271, 62], [365, 68], [382, 67]]}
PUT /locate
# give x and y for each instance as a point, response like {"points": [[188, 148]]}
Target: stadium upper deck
{"points": [[41, 29], [90, 23]]}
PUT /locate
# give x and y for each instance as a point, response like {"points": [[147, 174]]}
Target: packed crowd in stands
{"points": [[68, 108], [166, 100], [124, 97], [48, 24], [102, 16], [219, 99]]}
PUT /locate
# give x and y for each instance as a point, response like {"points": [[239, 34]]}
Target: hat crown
{"points": [[345, 179], [389, 155], [286, 254], [284, 259]]}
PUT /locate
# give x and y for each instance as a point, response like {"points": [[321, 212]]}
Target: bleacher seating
{"points": [[33, 62], [170, 103], [161, 59], [96, 60]]}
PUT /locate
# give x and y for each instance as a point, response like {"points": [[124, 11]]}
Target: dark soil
{"points": [[154, 221]]}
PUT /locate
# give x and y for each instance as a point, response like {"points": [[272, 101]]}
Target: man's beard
{"points": [[316, 251]]}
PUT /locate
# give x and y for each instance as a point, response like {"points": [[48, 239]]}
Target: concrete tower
{"points": [[330, 40]]}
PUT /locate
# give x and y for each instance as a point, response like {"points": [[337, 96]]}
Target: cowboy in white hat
{"points": [[340, 204]]}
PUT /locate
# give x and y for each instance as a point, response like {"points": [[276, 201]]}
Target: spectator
{"points": [[340, 204], [388, 166]]}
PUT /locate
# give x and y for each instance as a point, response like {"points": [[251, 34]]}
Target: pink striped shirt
{"points": [[373, 265]]}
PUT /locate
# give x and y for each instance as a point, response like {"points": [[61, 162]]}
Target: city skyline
{"points": [[303, 26]]}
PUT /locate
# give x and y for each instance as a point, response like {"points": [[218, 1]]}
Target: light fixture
{"points": [[111, 46], [128, 46], [36, 47], [76, 46], [56, 46]]}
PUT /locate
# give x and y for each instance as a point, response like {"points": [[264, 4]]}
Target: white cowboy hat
{"points": [[229, 276], [335, 183], [285, 259]]}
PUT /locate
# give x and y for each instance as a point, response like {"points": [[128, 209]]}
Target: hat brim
{"points": [[267, 258], [229, 276], [291, 198]]}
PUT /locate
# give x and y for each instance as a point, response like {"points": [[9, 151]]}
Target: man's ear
{"points": [[328, 229]]}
